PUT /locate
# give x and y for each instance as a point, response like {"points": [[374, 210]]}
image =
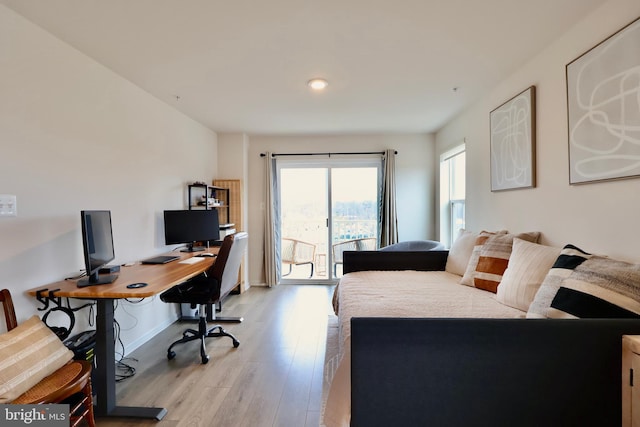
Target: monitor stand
{"points": [[97, 280], [191, 248]]}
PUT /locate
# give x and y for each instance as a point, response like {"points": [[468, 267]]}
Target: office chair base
{"points": [[228, 319], [202, 333]]}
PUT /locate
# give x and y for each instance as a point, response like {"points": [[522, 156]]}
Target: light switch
{"points": [[8, 206]]}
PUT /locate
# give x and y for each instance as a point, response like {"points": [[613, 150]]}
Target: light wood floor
{"points": [[273, 379]]}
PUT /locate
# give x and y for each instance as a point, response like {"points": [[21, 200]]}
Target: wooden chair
{"points": [[70, 384]]}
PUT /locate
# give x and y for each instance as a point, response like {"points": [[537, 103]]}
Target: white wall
{"points": [[599, 217], [75, 136], [415, 177]]}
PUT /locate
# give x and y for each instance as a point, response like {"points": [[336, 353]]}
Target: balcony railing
{"points": [[314, 231]]}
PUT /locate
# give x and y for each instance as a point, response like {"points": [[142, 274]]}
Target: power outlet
{"points": [[8, 205]]}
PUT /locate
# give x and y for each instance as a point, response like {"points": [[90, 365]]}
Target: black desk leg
{"points": [[105, 371]]}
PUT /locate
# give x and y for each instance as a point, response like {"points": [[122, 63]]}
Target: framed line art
{"points": [[513, 142], [603, 109]]}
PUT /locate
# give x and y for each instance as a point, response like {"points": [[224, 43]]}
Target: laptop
{"points": [[160, 259]]}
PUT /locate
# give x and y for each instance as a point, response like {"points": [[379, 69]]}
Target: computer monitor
{"points": [[97, 242], [191, 226]]}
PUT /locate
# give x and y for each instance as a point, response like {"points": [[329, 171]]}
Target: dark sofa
{"points": [[481, 372]]}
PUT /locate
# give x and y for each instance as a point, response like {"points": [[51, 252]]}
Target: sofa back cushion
{"points": [[528, 266]]}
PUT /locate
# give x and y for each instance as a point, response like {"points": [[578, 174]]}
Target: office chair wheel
{"points": [[236, 343], [205, 359], [171, 354]]}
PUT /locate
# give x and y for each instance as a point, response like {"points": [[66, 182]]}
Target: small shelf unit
{"points": [[201, 196]]}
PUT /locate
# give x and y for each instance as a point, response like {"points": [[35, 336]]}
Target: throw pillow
{"points": [[600, 287], [528, 266], [29, 353], [570, 257], [470, 270], [460, 252], [494, 258]]}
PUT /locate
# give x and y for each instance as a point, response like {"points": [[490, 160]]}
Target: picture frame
{"points": [[603, 109], [513, 141]]}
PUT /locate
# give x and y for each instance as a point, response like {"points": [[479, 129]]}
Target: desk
{"points": [[159, 278]]}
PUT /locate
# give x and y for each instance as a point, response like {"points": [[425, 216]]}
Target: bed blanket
{"points": [[396, 294]]}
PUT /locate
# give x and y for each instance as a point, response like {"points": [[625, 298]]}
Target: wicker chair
{"points": [[367, 244], [297, 252], [71, 384]]}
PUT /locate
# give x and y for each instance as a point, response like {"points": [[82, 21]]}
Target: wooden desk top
{"points": [[159, 278]]}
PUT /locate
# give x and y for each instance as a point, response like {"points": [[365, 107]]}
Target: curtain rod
{"points": [[322, 154]]}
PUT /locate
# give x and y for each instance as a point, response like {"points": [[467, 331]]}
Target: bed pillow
{"points": [[581, 285], [470, 269], [29, 353], [529, 264], [494, 259], [601, 288], [570, 257], [460, 252]]}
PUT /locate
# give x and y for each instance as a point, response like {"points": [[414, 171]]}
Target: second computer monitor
{"points": [[191, 227]]}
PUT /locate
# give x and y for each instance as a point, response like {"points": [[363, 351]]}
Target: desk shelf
{"points": [[200, 194]]}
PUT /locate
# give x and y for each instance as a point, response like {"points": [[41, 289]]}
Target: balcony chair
{"points": [[208, 289], [69, 384], [366, 244], [297, 252]]}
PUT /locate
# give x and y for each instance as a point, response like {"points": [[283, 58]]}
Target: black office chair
{"points": [[208, 289]]}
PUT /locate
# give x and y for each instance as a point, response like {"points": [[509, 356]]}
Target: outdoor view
{"points": [[307, 249]]}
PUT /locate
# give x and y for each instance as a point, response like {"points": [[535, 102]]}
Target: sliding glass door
{"points": [[327, 207]]}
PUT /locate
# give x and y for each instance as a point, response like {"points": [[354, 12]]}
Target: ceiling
{"points": [[242, 65]]}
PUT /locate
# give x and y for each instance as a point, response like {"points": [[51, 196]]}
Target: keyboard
{"points": [[160, 259], [192, 260]]}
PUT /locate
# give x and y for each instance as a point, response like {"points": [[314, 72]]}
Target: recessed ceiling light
{"points": [[317, 84]]}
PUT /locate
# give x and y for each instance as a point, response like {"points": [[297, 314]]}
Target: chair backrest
{"points": [[227, 266], [9, 311], [287, 248], [340, 247], [295, 251], [366, 244]]}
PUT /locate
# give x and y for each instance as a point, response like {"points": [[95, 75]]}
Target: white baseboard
{"points": [[132, 346]]}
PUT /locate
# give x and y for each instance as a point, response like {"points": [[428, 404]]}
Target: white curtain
{"points": [[272, 264], [388, 217]]}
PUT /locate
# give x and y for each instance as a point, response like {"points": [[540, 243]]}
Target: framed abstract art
{"points": [[512, 140], [603, 108]]}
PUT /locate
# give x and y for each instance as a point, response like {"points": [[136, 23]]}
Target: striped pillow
{"points": [[601, 288], [28, 353], [528, 266], [483, 236], [494, 258], [581, 285], [570, 257]]}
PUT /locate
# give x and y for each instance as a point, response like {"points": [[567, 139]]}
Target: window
{"points": [[452, 193]]}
